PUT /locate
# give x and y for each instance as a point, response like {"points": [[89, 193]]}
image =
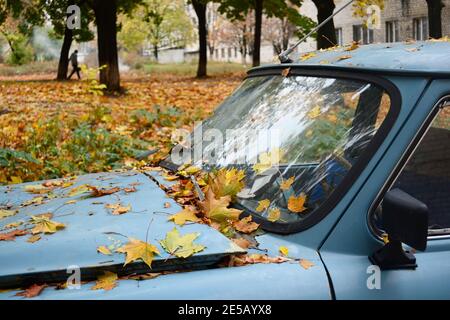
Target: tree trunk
{"points": [[155, 52], [106, 20], [200, 10], [326, 36], [257, 39], [63, 64], [435, 18]]}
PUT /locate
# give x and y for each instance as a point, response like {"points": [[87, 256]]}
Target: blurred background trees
{"points": [[147, 29]]}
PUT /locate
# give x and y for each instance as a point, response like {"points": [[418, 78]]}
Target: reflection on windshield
{"points": [[295, 137]]}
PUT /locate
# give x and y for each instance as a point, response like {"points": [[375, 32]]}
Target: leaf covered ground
{"points": [[52, 129]]}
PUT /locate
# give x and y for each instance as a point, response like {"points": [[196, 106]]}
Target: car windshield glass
{"points": [[295, 137]]}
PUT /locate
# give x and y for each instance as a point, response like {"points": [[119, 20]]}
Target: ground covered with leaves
{"points": [[52, 129]]}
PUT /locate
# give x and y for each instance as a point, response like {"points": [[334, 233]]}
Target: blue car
{"points": [[344, 158]]}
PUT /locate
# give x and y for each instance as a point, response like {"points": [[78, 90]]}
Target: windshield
{"points": [[296, 138]]}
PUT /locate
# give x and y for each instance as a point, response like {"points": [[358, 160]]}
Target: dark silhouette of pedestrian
{"points": [[74, 60]]}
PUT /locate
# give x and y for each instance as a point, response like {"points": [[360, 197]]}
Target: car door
{"points": [[421, 169]]}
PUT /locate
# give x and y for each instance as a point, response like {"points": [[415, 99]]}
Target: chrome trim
{"points": [[441, 104]]}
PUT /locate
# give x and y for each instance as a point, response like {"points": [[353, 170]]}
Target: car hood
{"points": [[89, 225]]}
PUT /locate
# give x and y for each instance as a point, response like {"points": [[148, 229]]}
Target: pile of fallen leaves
{"points": [[52, 129]]}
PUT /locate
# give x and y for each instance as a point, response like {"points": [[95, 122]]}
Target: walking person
{"points": [[74, 60]]}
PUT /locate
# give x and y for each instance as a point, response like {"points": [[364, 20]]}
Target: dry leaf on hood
{"points": [[138, 250], [117, 208], [226, 182], [37, 189], [32, 291], [104, 250], [42, 224], [216, 209], [34, 238], [353, 46], [242, 242], [306, 264], [345, 57], [187, 214], [78, 190], [11, 236], [7, 213], [97, 192], [264, 258], [246, 225], [181, 246], [284, 251], [130, 190], [107, 281]]}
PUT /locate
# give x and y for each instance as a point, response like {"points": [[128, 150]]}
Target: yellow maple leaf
{"points": [[226, 182], [187, 214], [106, 281], [43, 224], [284, 250], [104, 250], [262, 205], [296, 204], [138, 250], [7, 213], [181, 246], [274, 215], [286, 184], [216, 209]]}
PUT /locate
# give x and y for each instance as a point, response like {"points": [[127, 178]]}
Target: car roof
{"points": [[426, 58]]}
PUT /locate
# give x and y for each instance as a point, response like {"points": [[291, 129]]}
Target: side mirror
{"points": [[405, 220]]}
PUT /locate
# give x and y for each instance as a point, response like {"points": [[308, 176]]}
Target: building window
{"points": [[420, 28], [229, 53], [235, 52], [216, 52], [392, 32], [222, 53], [339, 40], [362, 34]]}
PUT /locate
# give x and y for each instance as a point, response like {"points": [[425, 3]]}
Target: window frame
{"points": [[443, 102], [339, 36], [364, 33], [394, 25], [422, 23]]}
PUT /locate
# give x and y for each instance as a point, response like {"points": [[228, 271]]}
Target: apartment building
{"points": [[399, 21]]}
